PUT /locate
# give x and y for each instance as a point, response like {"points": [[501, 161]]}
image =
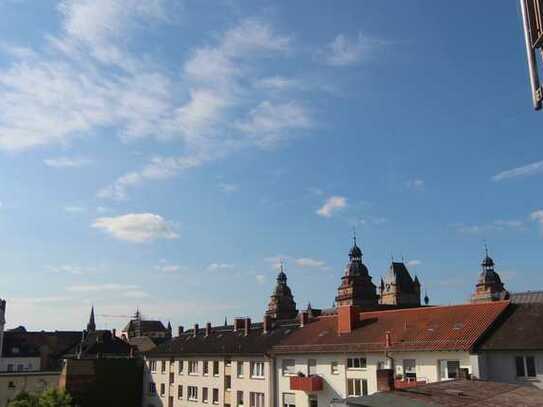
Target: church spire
{"points": [[91, 326]]}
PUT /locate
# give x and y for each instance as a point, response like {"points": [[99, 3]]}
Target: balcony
{"points": [[307, 384]]}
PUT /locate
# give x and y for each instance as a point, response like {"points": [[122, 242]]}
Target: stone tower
{"points": [[490, 286], [282, 305], [356, 286], [398, 288]]}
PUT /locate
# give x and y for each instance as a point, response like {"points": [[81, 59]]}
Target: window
{"points": [[239, 365], [227, 362], [163, 366], [172, 378], [256, 399], [288, 367], [179, 392], [152, 388], [313, 400], [525, 366], [311, 367], [357, 387], [239, 398], [449, 369], [257, 370], [205, 396], [289, 400], [227, 382], [162, 389], [180, 367], [410, 369], [215, 368], [334, 368], [152, 365], [356, 363], [192, 393], [215, 396], [193, 367], [206, 367]]}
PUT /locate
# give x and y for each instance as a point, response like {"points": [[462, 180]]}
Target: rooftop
{"points": [[527, 297], [455, 393], [455, 327]]}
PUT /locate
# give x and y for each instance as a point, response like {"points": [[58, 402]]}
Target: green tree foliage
{"points": [[49, 398]]}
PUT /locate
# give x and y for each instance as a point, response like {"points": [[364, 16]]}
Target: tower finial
{"points": [[354, 235], [486, 248]]}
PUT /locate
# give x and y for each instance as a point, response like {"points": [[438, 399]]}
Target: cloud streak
{"points": [[331, 206], [136, 227], [535, 168]]}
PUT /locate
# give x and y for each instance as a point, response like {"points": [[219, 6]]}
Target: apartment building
{"points": [[226, 366], [334, 357]]}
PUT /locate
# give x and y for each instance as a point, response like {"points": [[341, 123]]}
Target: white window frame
{"points": [[361, 361], [257, 370], [162, 389], [288, 367], [256, 399], [192, 393], [215, 396], [193, 368], [288, 403], [152, 365], [362, 389], [334, 367], [216, 373], [240, 369], [180, 366], [443, 367], [525, 366], [205, 368], [205, 395], [163, 367]]}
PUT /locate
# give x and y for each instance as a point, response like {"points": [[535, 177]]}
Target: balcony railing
{"points": [[307, 384]]}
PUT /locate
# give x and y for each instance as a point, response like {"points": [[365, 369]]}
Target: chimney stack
{"points": [[267, 324], [247, 326], [208, 328], [180, 330], [195, 330], [239, 323], [347, 318], [385, 380]]}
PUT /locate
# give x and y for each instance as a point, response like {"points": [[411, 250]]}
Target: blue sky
{"points": [[165, 154]]}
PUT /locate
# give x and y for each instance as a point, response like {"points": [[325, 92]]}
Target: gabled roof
{"points": [[521, 329], [456, 327], [455, 393], [225, 341]]}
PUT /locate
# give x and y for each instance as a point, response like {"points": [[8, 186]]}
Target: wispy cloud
{"points": [[260, 279], [136, 227], [67, 162], [415, 184], [219, 267], [168, 268], [345, 51], [331, 206], [70, 269], [228, 188], [495, 226], [309, 263], [74, 209], [413, 263], [83, 288], [537, 216], [524, 171]]}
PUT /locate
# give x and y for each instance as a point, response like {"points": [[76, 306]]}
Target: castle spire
{"points": [[91, 326]]}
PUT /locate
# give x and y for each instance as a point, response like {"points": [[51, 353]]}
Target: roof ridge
{"points": [[475, 304]]}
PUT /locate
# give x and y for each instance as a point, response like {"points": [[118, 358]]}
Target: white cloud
{"points": [[276, 261], [66, 162], [332, 205], [69, 269], [524, 171], [344, 51], [537, 216], [168, 268], [415, 184], [413, 263], [219, 267], [260, 279], [307, 262], [269, 123], [495, 226], [84, 288], [228, 188], [277, 83], [136, 227], [135, 294]]}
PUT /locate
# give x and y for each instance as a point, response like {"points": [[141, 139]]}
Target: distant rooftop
{"points": [[527, 297]]}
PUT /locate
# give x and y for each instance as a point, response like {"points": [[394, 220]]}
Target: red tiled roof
{"points": [[455, 327]]}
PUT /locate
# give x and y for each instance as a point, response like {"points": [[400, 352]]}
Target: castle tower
{"points": [[398, 288], [91, 326], [490, 286], [356, 286], [282, 305]]}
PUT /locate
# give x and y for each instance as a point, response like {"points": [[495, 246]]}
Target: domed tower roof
{"points": [[282, 305], [489, 287]]}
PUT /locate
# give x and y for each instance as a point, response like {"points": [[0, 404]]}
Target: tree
{"points": [[49, 398]]}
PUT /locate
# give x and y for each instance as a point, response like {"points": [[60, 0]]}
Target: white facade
{"points": [[20, 364], [517, 367], [243, 381], [341, 381]]}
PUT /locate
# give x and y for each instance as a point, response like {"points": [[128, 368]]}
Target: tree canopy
{"points": [[49, 398]]}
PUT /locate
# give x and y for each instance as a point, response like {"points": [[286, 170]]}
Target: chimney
{"points": [[388, 340], [208, 328], [347, 318], [195, 330], [247, 326], [180, 330], [385, 379], [304, 318], [239, 323], [267, 324]]}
